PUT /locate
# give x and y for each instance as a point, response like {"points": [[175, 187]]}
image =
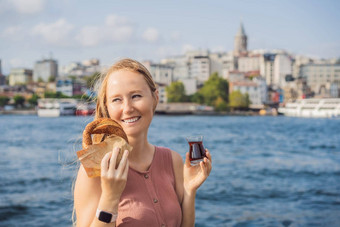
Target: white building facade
{"points": [[256, 89], [45, 69], [20, 76], [65, 87], [283, 66], [323, 79], [81, 69], [161, 73]]}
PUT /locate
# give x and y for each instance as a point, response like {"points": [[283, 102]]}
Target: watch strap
{"points": [[105, 216]]}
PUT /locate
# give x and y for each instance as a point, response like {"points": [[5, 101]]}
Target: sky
{"points": [[77, 30]]}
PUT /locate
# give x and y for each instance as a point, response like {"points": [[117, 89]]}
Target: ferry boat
{"points": [[56, 107], [325, 108]]}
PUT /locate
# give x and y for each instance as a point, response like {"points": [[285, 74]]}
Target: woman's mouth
{"points": [[131, 120]]}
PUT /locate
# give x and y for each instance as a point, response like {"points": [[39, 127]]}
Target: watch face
{"points": [[105, 217]]}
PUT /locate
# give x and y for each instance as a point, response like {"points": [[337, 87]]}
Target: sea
{"points": [[267, 171]]}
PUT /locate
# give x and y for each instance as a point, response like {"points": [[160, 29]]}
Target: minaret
{"points": [[240, 43]]}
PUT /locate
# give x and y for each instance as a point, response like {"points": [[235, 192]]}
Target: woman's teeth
{"points": [[131, 120]]}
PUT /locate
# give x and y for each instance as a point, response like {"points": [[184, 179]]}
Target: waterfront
{"points": [[267, 171]]}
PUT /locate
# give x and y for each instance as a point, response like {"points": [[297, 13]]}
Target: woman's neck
{"points": [[142, 152]]}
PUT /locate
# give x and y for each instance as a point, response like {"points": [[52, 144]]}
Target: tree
{"points": [[51, 79], [57, 95], [72, 77], [239, 100], [19, 100], [220, 104], [176, 92], [214, 88], [197, 98], [3, 100], [33, 101]]}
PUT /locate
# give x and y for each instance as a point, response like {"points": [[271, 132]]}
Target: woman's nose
{"points": [[128, 107]]}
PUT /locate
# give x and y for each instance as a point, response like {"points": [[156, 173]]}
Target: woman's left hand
{"points": [[194, 176]]}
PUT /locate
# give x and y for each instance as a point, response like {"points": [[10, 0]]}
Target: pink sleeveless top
{"points": [[149, 198]]}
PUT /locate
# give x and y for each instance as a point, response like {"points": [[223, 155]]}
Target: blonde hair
{"points": [[101, 84]]}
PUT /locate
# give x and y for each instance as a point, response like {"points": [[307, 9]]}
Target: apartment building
{"points": [[323, 79], [20, 76], [45, 69]]}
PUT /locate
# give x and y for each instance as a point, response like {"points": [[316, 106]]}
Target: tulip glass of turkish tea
{"points": [[196, 149]]}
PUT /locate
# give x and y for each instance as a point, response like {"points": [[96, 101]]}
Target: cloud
{"points": [[118, 28], [115, 29], [57, 33], [28, 6], [90, 36], [116, 21], [151, 35], [12, 31], [120, 34]]}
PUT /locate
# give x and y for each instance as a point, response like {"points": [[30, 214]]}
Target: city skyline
{"points": [[78, 30]]}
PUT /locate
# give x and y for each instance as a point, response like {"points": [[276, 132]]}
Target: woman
{"points": [[151, 186]]}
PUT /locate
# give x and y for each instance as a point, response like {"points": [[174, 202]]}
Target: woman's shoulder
{"points": [[175, 156]]}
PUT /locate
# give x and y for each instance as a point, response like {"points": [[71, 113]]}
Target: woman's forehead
{"points": [[124, 79]]}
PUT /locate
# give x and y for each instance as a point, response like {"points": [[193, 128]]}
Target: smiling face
{"points": [[130, 102]]}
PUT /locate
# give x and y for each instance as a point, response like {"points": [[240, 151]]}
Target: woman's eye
{"points": [[136, 96], [116, 100]]}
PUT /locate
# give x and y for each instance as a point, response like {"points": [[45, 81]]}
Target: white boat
{"points": [[85, 109], [326, 108], [56, 107]]}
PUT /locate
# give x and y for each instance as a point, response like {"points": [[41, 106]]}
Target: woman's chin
{"points": [[133, 133]]}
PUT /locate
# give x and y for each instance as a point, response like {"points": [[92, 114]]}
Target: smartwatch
{"points": [[106, 217]]}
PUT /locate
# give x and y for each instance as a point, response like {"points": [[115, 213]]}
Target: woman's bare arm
{"points": [[101, 193], [188, 180]]}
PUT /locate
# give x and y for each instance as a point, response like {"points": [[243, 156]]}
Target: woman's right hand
{"points": [[113, 180]]}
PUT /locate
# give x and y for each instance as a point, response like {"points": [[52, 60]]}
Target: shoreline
{"points": [[19, 112], [192, 113]]}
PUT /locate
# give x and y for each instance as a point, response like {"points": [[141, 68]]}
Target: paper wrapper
{"points": [[92, 156]]}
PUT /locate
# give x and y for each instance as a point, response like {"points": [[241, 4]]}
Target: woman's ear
{"points": [[156, 99], [157, 96]]}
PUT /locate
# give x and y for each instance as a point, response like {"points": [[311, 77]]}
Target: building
{"points": [[256, 89], [2, 77], [65, 86], [267, 68], [249, 63], [236, 76], [296, 89], [20, 76], [180, 66], [70, 87], [44, 70], [323, 79], [282, 69], [81, 69], [240, 42], [222, 63], [161, 73], [162, 93], [190, 85], [200, 68], [298, 61], [40, 88]]}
